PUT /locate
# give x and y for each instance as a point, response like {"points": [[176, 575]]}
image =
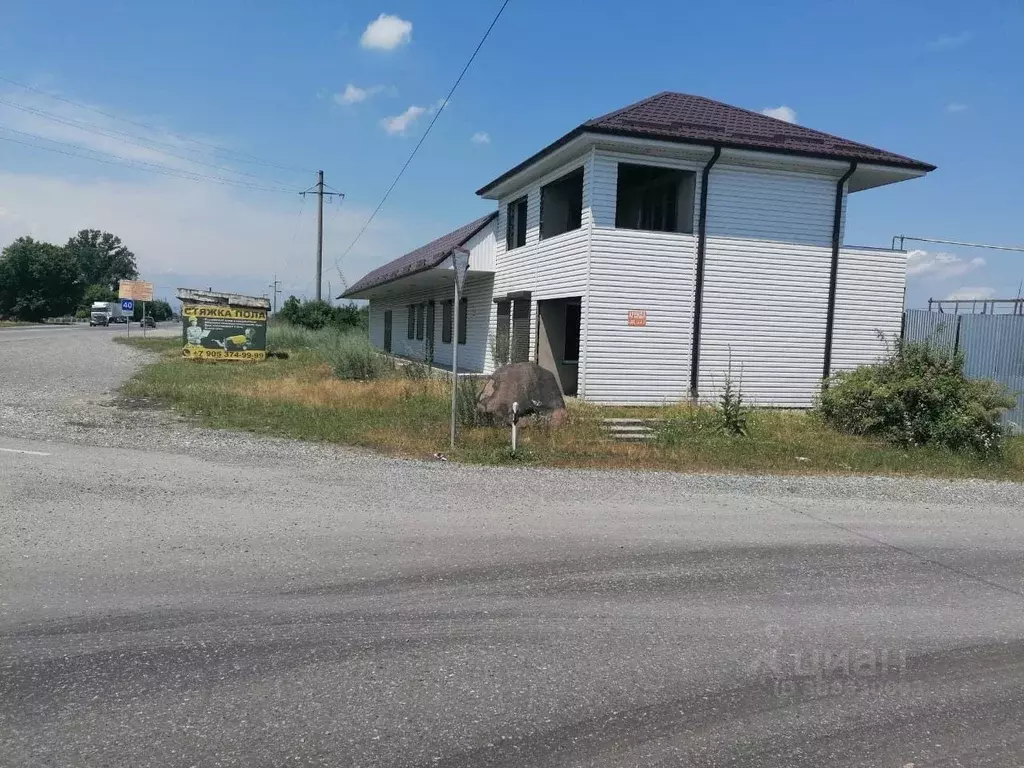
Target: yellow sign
{"points": [[216, 332], [238, 313], [137, 290], [199, 353]]}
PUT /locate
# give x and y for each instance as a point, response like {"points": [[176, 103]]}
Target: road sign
{"points": [[460, 263], [127, 305], [137, 290]]}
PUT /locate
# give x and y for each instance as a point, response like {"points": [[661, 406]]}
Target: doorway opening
{"points": [[558, 340]]}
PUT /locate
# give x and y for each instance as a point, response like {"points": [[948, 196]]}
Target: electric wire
{"points": [[249, 157], [140, 141], [419, 144], [138, 165]]}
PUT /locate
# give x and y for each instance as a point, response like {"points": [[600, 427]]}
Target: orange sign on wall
{"points": [[636, 318]]}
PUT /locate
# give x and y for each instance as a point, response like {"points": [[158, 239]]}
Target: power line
{"points": [[110, 133], [133, 164], [424, 136], [97, 110], [903, 238]]}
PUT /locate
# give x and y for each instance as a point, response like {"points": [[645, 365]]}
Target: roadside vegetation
{"points": [[41, 280], [334, 387]]}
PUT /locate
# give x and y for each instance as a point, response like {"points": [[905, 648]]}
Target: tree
{"points": [[158, 309], [290, 309], [103, 259], [38, 280], [94, 293], [319, 314]]}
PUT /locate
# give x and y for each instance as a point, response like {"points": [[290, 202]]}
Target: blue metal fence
{"points": [[993, 347]]}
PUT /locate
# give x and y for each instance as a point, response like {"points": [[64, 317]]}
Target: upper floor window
{"points": [[515, 224], [655, 199], [561, 205]]}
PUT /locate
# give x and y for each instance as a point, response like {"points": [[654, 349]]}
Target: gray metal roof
{"points": [[423, 258]]}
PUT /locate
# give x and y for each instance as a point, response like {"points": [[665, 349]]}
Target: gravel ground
{"points": [[214, 598]]}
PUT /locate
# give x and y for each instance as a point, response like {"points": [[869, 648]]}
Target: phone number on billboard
{"points": [[220, 354]]}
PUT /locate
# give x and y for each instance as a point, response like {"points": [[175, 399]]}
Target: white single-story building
{"points": [[640, 253]]}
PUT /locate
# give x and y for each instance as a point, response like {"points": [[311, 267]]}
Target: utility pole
{"points": [[318, 190], [319, 232], [276, 290]]}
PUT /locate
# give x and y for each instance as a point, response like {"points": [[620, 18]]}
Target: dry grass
{"points": [[299, 397], [321, 390]]}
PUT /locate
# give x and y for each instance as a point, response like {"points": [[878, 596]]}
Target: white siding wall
{"points": [[549, 269], [630, 269], [766, 279], [869, 299], [482, 248], [474, 355]]}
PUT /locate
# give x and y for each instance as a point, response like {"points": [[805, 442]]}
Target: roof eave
{"points": [[910, 163], [536, 157], [428, 263]]}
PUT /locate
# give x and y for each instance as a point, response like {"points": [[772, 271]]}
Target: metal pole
{"points": [[319, 232], [143, 319], [455, 360]]}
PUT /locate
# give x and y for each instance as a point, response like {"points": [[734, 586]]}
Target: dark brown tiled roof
{"points": [[679, 117], [423, 258]]}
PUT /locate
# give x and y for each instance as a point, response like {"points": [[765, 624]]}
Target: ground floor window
{"points": [[446, 321], [463, 319], [412, 321], [421, 310]]}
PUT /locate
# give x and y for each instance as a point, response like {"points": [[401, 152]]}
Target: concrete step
{"points": [[630, 430]]}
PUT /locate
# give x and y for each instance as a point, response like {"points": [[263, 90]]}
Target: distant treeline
{"points": [[40, 280]]}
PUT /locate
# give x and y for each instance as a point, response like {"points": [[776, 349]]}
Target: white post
{"points": [[455, 361], [515, 427], [460, 263]]}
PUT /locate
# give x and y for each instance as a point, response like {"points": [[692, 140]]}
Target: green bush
{"points": [[319, 314], [917, 396], [466, 395], [351, 356], [732, 413], [285, 336]]}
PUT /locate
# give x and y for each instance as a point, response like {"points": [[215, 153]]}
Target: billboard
{"points": [[224, 333], [137, 290]]}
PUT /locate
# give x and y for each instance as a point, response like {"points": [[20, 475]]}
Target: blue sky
{"points": [[939, 81]]}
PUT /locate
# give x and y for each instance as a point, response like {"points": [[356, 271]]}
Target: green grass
{"points": [[15, 323], [300, 397]]}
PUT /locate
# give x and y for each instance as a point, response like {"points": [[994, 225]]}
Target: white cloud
{"points": [[55, 124], [939, 266], [969, 292], [949, 42], [353, 94], [399, 124], [481, 137], [787, 114], [183, 232], [387, 33], [956, 106]]}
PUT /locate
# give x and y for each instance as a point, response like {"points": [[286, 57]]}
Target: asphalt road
{"points": [[211, 599]]}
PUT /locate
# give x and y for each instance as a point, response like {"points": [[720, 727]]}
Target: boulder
{"points": [[534, 388]]}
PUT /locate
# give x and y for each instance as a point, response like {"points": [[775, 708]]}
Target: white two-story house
{"points": [[645, 253]]}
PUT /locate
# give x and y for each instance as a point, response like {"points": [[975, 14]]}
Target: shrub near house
{"points": [[918, 396]]}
